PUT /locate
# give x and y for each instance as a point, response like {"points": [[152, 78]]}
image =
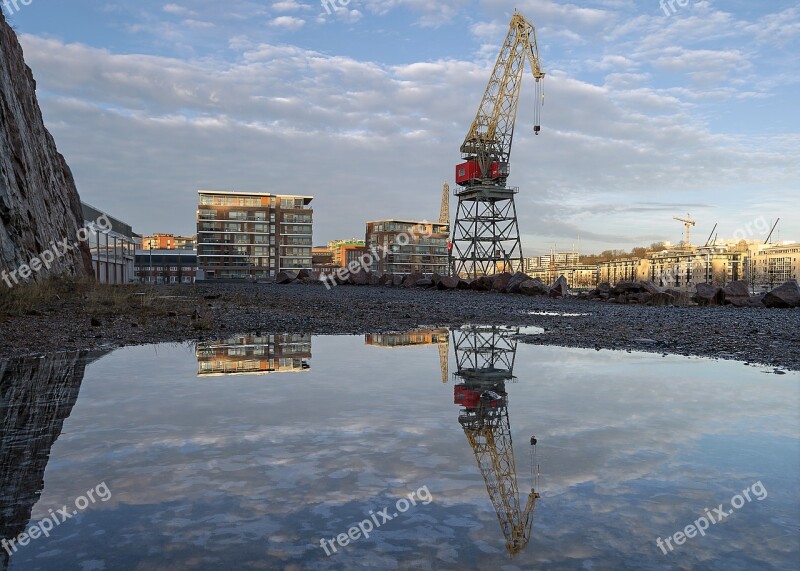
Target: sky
{"points": [[651, 110]]}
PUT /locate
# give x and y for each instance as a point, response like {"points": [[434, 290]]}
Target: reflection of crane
{"points": [[485, 359], [688, 222], [444, 350], [485, 232]]}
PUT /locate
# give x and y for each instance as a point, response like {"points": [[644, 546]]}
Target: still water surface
{"points": [[245, 453]]}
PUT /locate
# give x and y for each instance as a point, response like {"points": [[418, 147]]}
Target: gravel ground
{"points": [[183, 313]]}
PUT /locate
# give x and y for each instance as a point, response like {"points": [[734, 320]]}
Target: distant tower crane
{"points": [[444, 213], [688, 222], [485, 233]]}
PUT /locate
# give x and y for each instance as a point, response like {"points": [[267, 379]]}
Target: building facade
{"points": [[248, 235], [168, 242], [771, 265], [627, 269], [408, 246], [112, 251], [166, 266]]}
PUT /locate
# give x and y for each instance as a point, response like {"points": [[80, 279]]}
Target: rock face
{"points": [[39, 203]]}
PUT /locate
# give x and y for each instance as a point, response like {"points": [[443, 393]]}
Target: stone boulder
{"points": [[360, 277], [303, 275], [707, 294], [736, 293], [385, 279], [374, 279], [560, 288], [412, 279], [448, 282], [516, 280], [284, 278], [483, 283], [650, 287], [662, 299], [500, 282], [397, 281], [436, 278], [680, 298], [534, 287], [626, 287], [786, 295], [424, 282]]}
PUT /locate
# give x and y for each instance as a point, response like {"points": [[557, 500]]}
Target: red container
{"points": [[466, 397], [470, 171], [467, 171]]}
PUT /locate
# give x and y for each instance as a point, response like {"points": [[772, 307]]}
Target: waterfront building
{"points": [[251, 235], [168, 242], [166, 266], [112, 251], [408, 246], [770, 265]]}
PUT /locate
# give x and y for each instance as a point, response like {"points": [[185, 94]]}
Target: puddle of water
{"points": [[247, 452], [558, 314]]}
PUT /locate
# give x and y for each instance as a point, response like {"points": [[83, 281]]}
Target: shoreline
{"points": [[178, 314]]}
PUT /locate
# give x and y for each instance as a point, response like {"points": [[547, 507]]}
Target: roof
{"points": [[243, 193]]}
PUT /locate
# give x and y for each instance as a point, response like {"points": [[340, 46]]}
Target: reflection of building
{"points": [[416, 337], [249, 235], [37, 397], [112, 251], [485, 360], [167, 242], [408, 246], [254, 354], [166, 266]]}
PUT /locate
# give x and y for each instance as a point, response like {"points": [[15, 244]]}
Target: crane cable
{"points": [[534, 478]]}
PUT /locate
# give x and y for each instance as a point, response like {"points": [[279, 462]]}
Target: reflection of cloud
{"points": [[631, 447]]}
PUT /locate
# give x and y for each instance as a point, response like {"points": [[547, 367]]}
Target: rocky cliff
{"points": [[39, 203]]}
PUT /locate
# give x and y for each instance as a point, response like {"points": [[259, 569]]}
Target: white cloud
{"points": [[288, 22]]}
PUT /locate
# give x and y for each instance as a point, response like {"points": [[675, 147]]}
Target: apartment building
{"points": [[168, 242], [408, 246], [165, 266], [770, 265], [251, 235]]}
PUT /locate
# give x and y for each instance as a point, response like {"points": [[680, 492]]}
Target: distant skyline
{"points": [[650, 112]]}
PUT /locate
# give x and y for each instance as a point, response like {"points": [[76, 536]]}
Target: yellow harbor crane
{"points": [[485, 360], [485, 232], [688, 222]]}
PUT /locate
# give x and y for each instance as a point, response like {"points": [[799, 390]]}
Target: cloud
{"points": [[288, 22]]}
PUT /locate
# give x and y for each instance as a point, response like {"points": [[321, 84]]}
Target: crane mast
{"points": [[485, 234]]}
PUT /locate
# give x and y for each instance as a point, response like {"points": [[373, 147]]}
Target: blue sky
{"points": [[650, 112]]}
